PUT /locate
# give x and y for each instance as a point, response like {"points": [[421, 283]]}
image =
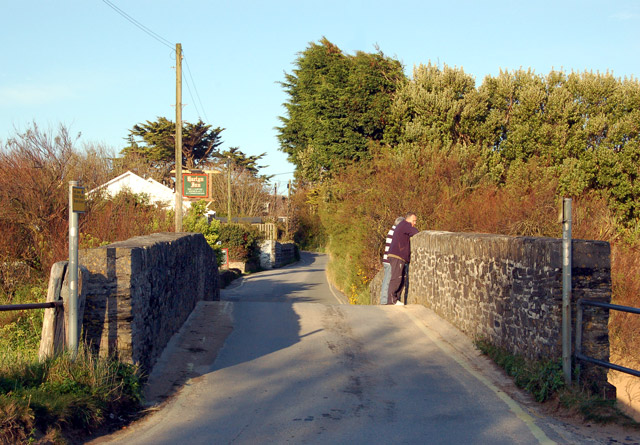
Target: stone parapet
{"points": [[508, 290], [274, 254], [140, 292]]}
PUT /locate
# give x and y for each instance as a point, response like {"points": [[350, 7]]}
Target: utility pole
{"points": [[178, 217], [274, 212], [288, 206], [229, 190]]}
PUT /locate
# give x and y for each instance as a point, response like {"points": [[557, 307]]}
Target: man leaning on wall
{"points": [[386, 265], [399, 256]]}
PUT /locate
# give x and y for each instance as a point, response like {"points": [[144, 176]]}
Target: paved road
{"points": [[293, 365], [303, 282]]}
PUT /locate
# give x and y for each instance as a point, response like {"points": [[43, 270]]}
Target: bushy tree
{"points": [[242, 240], [121, 217], [155, 143], [37, 166], [337, 104], [196, 221], [249, 189], [437, 106]]}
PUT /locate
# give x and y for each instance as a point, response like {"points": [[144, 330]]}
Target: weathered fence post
{"points": [[55, 326]]}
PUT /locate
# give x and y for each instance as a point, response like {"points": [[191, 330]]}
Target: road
{"points": [[282, 359]]}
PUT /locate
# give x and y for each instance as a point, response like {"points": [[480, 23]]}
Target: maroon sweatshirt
{"points": [[401, 244]]}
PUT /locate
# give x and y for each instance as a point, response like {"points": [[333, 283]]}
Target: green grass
{"points": [[544, 380], [64, 394], [59, 395]]}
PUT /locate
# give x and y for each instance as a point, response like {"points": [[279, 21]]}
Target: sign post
{"points": [[77, 204], [566, 289]]}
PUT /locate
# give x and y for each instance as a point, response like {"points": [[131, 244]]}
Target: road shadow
{"points": [[260, 305]]}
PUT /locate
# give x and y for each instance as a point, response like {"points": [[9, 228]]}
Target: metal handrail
{"points": [[579, 355], [28, 306]]}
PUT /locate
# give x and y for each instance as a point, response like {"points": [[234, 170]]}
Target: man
{"points": [[399, 256], [384, 291]]}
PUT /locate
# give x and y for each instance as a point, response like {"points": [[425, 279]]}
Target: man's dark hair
{"points": [[410, 214]]}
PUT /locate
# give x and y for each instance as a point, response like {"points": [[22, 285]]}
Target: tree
{"points": [[249, 189], [241, 160], [436, 107], [337, 105], [37, 166], [155, 143]]}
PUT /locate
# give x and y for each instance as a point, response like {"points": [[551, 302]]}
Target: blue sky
{"points": [[81, 64]]}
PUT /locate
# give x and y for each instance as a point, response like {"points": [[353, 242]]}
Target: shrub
{"points": [[196, 221], [305, 224], [242, 241], [37, 166], [127, 214]]}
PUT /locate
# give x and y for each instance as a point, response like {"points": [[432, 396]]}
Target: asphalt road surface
{"points": [[282, 359]]}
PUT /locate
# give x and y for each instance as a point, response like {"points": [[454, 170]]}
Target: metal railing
{"points": [[579, 355], [28, 306]]}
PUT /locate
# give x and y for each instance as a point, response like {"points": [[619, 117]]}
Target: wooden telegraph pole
{"points": [[229, 190], [178, 217], [288, 206]]}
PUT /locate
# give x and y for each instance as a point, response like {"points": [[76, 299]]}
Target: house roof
{"points": [[129, 178], [157, 192]]}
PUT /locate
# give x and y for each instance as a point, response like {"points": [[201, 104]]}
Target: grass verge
{"points": [[58, 398], [544, 380], [62, 396]]}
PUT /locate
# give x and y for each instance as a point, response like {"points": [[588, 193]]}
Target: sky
{"points": [[81, 64]]}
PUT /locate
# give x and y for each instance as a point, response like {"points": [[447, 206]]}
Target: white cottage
{"points": [[156, 192]]}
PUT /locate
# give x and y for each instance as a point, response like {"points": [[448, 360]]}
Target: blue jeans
{"points": [[384, 292]]}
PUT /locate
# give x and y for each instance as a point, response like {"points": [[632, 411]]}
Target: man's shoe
{"points": [[399, 303]]}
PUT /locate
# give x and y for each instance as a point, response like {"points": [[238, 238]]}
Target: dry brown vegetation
{"points": [[37, 166], [448, 191]]}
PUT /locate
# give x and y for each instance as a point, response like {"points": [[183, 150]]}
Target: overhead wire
{"points": [[195, 89], [191, 95], [156, 36], [170, 45]]}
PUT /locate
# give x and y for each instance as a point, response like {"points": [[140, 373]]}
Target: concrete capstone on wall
{"points": [[140, 292], [508, 290]]}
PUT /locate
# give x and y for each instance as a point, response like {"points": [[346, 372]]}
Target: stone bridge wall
{"points": [[274, 254], [140, 292], [508, 290]]}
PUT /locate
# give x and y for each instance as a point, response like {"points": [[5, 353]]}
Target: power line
{"points": [[156, 36], [192, 99], [170, 45], [196, 90]]}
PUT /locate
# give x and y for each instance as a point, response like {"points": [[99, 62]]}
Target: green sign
{"points": [[195, 185]]}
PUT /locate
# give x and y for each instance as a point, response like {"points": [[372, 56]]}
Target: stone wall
{"points": [[274, 254], [140, 292], [508, 290]]}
